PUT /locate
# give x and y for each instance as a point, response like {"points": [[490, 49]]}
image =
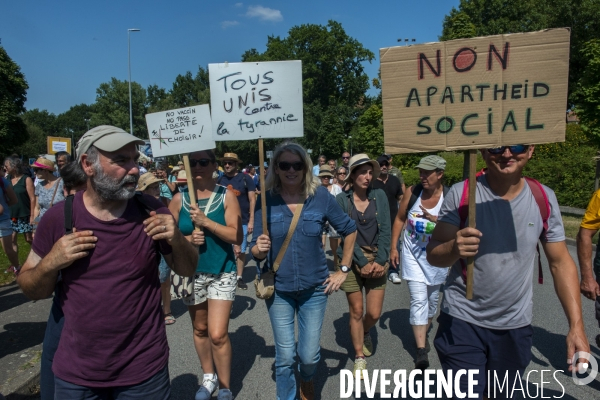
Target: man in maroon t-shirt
{"points": [[113, 343]]}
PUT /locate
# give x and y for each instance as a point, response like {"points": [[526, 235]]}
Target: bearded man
{"points": [[113, 343]]}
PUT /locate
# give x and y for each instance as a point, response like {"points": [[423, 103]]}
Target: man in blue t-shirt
{"points": [[243, 187]]}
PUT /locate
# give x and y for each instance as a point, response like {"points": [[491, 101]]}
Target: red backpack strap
{"points": [[541, 198]]}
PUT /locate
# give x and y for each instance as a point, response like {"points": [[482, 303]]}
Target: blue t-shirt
{"points": [[240, 184]]}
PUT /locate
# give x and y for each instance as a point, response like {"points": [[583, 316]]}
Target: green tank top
{"points": [[216, 255], [23, 207]]}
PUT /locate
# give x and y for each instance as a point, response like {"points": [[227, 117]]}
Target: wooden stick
{"points": [[190, 183], [263, 192], [472, 204]]}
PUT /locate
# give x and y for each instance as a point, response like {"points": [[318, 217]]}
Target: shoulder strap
{"points": [[416, 192], [55, 189], [290, 233], [69, 214], [539, 194]]}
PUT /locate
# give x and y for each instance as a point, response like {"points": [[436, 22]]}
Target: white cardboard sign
{"points": [[180, 131], [256, 100]]}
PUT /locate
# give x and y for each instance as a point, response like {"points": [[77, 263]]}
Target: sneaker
{"points": [[241, 284], [422, 361], [395, 278], [225, 394], [208, 387], [307, 390], [367, 345], [359, 365]]}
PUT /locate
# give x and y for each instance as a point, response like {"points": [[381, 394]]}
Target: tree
{"points": [[42, 119], [72, 123], [112, 106], [333, 81], [36, 143], [188, 91], [588, 91], [370, 132], [13, 94], [159, 99], [457, 25]]}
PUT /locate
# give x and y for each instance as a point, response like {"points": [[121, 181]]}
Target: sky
{"points": [[66, 49]]}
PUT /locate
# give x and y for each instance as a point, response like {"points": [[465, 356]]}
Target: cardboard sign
{"points": [[180, 131], [476, 93], [256, 100], [56, 144]]}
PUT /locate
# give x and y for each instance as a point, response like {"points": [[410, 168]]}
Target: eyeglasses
{"points": [[516, 149], [229, 162], [285, 166], [202, 161], [345, 158], [342, 173]]}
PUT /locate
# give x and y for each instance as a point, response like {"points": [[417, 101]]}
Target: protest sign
{"points": [[56, 144], [256, 100], [476, 93]]}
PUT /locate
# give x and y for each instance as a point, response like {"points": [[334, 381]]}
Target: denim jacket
{"points": [[383, 225], [304, 265]]}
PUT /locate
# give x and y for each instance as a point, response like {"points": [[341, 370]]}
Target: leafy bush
{"points": [[568, 168]]}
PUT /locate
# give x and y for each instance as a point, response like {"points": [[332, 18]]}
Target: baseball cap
{"points": [[106, 138], [432, 162], [383, 158]]}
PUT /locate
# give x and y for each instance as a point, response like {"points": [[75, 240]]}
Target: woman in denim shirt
{"points": [[302, 281]]}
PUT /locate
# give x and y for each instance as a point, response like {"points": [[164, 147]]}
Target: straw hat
{"points": [[360, 159], [43, 163], [231, 157], [182, 176], [175, 169], [146, 180], [325, 170]]}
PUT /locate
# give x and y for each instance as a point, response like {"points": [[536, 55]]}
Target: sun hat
{"points": [[179, 162], [430, 163], [106, 138], [182, 176], [325, 170], [360, 159], [43, 163], [175, 169], [146, 180], [231, 156]]}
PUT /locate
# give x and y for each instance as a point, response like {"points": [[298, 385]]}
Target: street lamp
{"points": [[87, 121], [129, 62]]}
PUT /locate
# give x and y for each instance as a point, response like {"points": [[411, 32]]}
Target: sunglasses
{"points": [[516, 149], [229, 162], [345, 158], [202, 161], [384, 164], [342, 173], [285, 166]]}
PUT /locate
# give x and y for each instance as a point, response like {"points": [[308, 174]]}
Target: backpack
{"points": [[416, 192], [541, 200]]}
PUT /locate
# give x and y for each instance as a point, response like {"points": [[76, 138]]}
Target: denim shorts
{"points": [[245, 239], [6, 228]]}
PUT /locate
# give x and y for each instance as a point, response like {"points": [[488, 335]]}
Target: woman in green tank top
{"points": [[217, 214]]}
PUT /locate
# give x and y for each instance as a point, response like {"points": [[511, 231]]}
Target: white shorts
{"points": [[211, 286]]}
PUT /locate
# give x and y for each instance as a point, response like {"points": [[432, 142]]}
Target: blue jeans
{"points": [[54, 328], [309, 305]]}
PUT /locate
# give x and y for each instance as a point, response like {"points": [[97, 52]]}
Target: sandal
{"points": [[169, 319]]}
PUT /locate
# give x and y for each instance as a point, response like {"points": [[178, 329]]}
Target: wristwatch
{"points": [[344, 268]]}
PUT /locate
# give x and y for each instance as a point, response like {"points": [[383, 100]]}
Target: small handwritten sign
{"points": [[56, 144], [180, 131], [256, 100]]}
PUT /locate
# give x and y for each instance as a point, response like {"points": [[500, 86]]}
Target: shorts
{"points": [[163, 270], [462, 345], [423, 302], [6, 228], [355, 283], [21, 225], [214, 287], [244, 245]]}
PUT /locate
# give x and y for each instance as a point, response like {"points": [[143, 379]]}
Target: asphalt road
{"points": [[253, 348]]}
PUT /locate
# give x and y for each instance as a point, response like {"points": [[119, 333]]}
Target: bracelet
{"points": [[214, 230]]}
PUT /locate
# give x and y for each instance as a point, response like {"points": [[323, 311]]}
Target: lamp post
{"points": [[350, 138], [129, 63], [87, 121]]}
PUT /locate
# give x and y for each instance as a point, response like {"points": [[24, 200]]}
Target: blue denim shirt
{"points": [[304, 265]]}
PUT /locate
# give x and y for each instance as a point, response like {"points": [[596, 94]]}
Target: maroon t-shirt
{"points": [[114, 333]]}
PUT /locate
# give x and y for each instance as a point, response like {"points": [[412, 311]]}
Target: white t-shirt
{"points": [[416, 237]]}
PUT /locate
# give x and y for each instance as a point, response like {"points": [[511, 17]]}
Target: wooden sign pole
{"points": [[472, 204], [190, 182], [263, 192]]}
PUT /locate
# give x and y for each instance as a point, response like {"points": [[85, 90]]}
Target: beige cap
{"points": [[106, 138], [360, 159], [146, 180]]}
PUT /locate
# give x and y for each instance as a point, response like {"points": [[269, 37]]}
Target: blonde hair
{"points": [[309, 181]]}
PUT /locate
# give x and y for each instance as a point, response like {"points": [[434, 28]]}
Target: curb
{"points": [[20, 387]]}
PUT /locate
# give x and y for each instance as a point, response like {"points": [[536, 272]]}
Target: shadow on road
{"points": [[184, 386], [20, 336], [242, 303], [9, 300], [397, 322]]}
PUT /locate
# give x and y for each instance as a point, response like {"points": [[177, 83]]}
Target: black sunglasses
{"points": [[202, 161], [516, 149], [384, 164], [345, 158], [229, 162], [285, 166]]}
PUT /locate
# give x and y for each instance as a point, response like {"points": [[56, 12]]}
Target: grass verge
{"points": [[8, 277]]}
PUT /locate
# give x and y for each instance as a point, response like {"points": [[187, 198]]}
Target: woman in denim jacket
{"points": [[303, 281], [369, 208]]}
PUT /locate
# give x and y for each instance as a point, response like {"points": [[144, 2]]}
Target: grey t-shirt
{"points": [[504, 265]]}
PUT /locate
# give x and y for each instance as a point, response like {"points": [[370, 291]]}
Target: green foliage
{"points": [[72, 123], [588, 88], [112, 106], [454, 166], [36, 144], [369, 138], [188, 91], [457, 25], [13, 94]]}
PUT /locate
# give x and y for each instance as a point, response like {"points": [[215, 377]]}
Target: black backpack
{"points": [[416, 192]]}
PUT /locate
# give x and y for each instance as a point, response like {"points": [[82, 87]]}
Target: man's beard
{"points": [[111, 189]]}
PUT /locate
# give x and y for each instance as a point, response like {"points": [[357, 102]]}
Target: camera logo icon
{"points": [[590, 364]]}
